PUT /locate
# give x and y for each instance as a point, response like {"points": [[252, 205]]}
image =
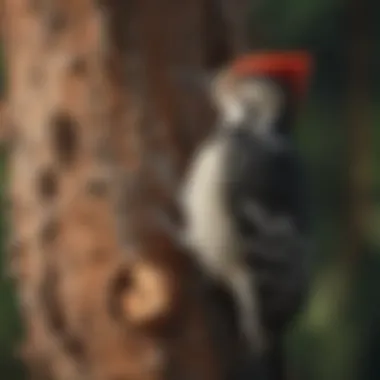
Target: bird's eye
{"points": [[260, 92], [253, 113], [261, 99], [252, 93]]}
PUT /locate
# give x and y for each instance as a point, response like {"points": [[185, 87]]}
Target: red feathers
{"points": [[293, 67]]}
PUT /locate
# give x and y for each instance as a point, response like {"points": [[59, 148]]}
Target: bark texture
{"points": [[100, 134]]}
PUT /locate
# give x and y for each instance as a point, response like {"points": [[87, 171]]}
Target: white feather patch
{"points": [[213, 238], [209, 228]]}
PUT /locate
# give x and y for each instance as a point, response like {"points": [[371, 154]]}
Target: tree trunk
{"points": [[360, 31], [100, 136]]}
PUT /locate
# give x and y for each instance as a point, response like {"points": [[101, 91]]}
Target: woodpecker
{"points": [[243, 195]]}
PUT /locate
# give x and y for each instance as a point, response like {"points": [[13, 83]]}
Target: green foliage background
{"points": [[338, 335]]}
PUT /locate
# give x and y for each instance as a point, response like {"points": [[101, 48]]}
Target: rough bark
{"points": [[100, 136]]}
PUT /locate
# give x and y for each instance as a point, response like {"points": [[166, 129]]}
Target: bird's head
{"points": [[260, 92]]}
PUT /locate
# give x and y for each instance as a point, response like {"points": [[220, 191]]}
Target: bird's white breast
{"points": [[209, 229]]}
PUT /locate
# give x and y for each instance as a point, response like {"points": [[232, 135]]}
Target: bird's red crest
{"points": [[292, 66]]}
